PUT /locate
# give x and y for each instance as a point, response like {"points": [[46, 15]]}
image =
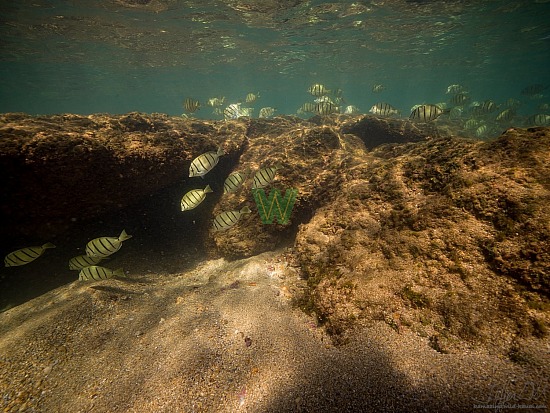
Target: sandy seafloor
{"points": [[225, 337]]}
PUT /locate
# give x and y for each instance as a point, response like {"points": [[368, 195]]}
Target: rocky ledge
{"points": [[393, 221]]}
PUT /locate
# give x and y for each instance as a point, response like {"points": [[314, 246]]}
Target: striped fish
{"points": [[193, 198], [318, 90], [540, 119], [307, 107], [454, 89], [383, 109], [378, 88], [471, 124], [96, 273], [226, 220], [506, 115], [233, 182], [105, 246], [426, 113], [481, 131], [251, 97], [487, 106], [204, 163], [265, 176], [460, 99], [267, 112], [233, 111], [25, 255], [77, 263], [325, 108], [455, 113], [191, 105]]}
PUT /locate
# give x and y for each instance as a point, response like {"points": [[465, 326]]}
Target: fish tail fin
{"points": [[208, 189], [119, 273], [220, 151], [278, 166], [48, 245], [124, 236], [245, 210]]}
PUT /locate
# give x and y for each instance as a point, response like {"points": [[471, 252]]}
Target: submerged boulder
{"points": [[448, 237]]}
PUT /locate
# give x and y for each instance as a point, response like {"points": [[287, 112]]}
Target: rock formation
{"points": [[395, 221]]}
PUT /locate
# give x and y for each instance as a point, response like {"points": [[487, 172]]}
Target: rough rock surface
{"points": [[447, 237], [59, 169], [437, 242]]}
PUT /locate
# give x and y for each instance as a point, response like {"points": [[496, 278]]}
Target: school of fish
{"points": [[457, 104]]}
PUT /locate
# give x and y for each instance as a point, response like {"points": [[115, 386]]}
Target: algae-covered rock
{"points": [[63, 168], [445, 236], [448, 237]]}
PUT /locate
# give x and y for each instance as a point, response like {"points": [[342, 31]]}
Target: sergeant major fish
{"points": [[96, 273], [383, 109], [105, 246], [191, 105], [233, 111], [204, 163], [318, 90], [267, 112], [226, 220], [251, 97], [25, 255], [193, 198], [426, 113], [325, 108]]}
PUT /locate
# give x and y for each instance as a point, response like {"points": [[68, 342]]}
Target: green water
{"points": [[117, 56]]}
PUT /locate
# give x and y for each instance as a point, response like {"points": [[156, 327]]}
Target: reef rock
{"points": [[449, 237], [67, 168]]}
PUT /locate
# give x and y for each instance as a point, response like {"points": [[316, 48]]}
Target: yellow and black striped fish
{"points": [[471, 124], [378, 88], [265, 176], [325, 108], [204, 163], [455, 89], [460, 99], [481, 131], [77, 263], [318, 90], [506, 115], [540, 119], [307, 107], [232, 111], [251, 97], [191, 105], [25, 255], [193, 198], [426, 113], [383, 109], [96, 273], [226, 220], [487, 106], [233, 182], [105, 246], [267, 112]]}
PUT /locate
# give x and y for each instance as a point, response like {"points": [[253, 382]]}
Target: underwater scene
{"points": [[275, 206]]}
